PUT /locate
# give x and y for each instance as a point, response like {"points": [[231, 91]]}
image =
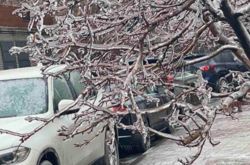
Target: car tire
{"points": [[115, 153], [222, 82], [45, 162], [144, 146]]}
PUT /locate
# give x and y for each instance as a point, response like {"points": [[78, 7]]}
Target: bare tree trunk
{"points": [[238, 27]]}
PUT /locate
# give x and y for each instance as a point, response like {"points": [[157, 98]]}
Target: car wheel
{"points": [[222, 85], [111, 157], [45, 162], [144, 146]]}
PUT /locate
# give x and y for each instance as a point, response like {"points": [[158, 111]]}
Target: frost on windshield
{"points": [[22, 97]]}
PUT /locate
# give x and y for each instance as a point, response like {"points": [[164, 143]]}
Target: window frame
{"points": [[70, 89], [27, 17], [70, 84]]}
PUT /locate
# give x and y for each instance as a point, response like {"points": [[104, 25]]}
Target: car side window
{"points": [[161, 89], [141, 105], [218, 58], [228, 57], [74, 78], [138, 86], [61, 91]]}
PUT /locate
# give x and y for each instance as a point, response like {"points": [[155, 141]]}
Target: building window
{"points": [[26, 17], [13, 61]]}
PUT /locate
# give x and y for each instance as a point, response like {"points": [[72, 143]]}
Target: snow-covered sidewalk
{"points": [[234, 147]]}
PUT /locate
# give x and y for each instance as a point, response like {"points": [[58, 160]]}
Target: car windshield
{"points": [[22, 97]]}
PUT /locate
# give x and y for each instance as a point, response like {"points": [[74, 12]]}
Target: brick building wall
{"points": [[13, 32], [7, 19]]}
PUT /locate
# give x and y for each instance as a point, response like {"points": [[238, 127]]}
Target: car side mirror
{"points": [[65, 103]]}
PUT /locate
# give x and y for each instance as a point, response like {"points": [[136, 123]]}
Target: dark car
{"points": [[214, 69], [154, 120]]}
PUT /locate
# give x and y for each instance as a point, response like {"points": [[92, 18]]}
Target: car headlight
{"points": [[13, 155]]}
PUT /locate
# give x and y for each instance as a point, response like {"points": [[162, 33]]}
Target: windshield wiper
{"points": [[8, 116]]}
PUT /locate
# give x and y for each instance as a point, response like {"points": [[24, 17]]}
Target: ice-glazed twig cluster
{"points": [[109, 41]]}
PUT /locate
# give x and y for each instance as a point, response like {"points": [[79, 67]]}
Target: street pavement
{"points": [[234, 147]]}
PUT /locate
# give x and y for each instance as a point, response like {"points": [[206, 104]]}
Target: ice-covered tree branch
{"points": [[109, 43]]}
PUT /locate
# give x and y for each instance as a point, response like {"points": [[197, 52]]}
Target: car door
{"points": [[155, 118], [72, 155], [165, 99], [95, 147], [142, 104], [241, 66]]}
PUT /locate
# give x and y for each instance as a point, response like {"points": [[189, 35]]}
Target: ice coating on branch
{"points": [[103, 40]]}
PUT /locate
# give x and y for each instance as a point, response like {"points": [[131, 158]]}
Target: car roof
{"points": [[204, 54], [150, 61], [28, 72], [194, 57]]}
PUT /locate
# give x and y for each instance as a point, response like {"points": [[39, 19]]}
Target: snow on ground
{"points": [[234, 147]]}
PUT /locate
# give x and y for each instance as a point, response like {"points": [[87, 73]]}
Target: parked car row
{"points": [[214, 69], [25, 93], [154, 119]]}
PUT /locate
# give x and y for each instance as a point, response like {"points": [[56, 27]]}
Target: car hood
{"points": [[14, 124]]}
